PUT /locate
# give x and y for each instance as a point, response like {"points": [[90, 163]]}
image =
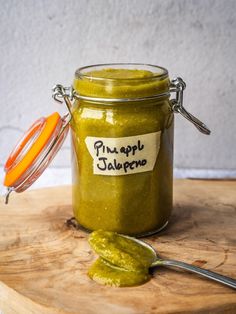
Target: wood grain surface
{"points": [[43, 263]]}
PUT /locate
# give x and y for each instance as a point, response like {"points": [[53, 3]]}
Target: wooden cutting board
{"points": [[43, 263]]}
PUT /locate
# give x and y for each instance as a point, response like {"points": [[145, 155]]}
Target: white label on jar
{"points": [[124, 155]]}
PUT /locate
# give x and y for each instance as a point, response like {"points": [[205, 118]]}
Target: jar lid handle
{"points": [[178, 86]]}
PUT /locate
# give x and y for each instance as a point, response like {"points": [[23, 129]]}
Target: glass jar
{"points": [[122, 122], [122, 150]]}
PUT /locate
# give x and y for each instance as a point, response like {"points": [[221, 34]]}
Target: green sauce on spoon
{"points": [[123, 262]]}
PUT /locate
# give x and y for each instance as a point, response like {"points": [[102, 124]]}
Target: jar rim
{"points": [[82, 71]]}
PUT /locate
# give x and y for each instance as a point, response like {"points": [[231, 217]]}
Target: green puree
{"points": [[122, 262], [107, 274], [133, 204], [120, 83]]}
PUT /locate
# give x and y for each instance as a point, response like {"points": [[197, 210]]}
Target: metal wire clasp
{"points": [[60, 94], [178, 86]]}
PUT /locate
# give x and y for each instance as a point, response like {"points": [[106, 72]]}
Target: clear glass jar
{"points": [[122, 141]]}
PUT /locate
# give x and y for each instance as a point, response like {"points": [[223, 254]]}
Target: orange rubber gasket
{"points": [[35, 127], [13, 173]]}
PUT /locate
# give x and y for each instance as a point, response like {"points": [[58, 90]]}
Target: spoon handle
{"points": [[206, 273]]}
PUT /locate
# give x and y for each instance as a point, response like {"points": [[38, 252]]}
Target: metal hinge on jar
{"points": [[178, 86]]}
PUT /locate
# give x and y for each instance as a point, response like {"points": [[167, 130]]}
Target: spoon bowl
{"points": [[158, 261]]}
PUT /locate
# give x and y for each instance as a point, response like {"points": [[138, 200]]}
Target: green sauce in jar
{"points": [[138, 201]]}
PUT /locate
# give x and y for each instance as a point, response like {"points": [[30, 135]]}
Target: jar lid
{"points": [[34, 151]]}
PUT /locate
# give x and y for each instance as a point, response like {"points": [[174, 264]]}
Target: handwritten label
{"points": [[124, 155]]}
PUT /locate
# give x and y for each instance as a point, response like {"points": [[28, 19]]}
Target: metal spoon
{"points": [[194, 269]]}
